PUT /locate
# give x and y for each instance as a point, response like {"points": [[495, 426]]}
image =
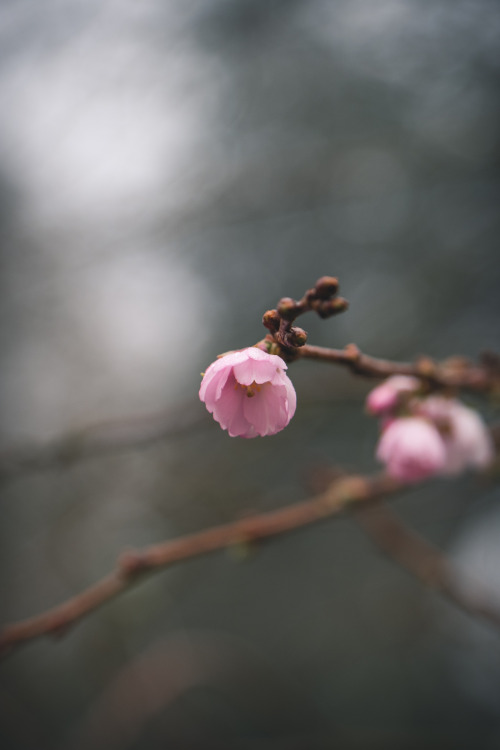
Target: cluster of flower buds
{"points": [[322, 299], [423, 436]]}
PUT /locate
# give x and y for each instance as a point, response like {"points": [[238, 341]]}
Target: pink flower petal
{"points": [[412, 449], [259, 367], [466, 437], [291, 398], [385, 397], [212, 385], [228, 411], [264, 411]]}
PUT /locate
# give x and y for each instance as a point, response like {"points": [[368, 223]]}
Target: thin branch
{"points": [[455, 372], [95, 440], [425, 562], [286, 339], [133, 566], [342, 494]]}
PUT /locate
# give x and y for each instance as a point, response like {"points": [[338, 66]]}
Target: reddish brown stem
{"points": [[425, 562], [453, 373], [351, 491], [133, 565]]}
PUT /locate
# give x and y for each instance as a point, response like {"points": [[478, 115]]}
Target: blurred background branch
{"points": [[247, 531], [98, 439], [428, 564], [346, 492]]}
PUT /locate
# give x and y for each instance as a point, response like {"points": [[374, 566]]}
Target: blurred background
{"points": [[168, 171]]}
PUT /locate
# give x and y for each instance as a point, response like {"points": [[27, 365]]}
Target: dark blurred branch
{"points": [[341, 494], [455, 372], [133, 566], [101, 438], [425, 562]]}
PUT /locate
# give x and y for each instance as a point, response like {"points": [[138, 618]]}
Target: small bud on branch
{"points": [[297, 336], [326, 287], [288, 308], [271, 320], [331, 307]]}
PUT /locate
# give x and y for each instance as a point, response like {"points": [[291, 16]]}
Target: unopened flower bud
{"points": [[339, 304], [297, 336], [426, 367], [331, 307], [271, 320], [326, 287], [287, 308]]}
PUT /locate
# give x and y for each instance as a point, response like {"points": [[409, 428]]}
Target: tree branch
{"points": [[341, 494], [133, 566], [94, 440], [455, 372], [425, 562], [289, 341]]}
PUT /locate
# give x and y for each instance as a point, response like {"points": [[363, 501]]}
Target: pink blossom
{"points": [[249, 393], [466, 438], [412, 449], [385, 397]]}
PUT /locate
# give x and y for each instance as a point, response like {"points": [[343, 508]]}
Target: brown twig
{"points": [[425, 562], [455, 372], [289, 341], [95, 440], [132, 566], [343, 493]]}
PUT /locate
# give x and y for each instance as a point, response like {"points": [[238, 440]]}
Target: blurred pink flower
{"points": [[412, 449], [385, 396], [249, 393], [466, 437]]}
